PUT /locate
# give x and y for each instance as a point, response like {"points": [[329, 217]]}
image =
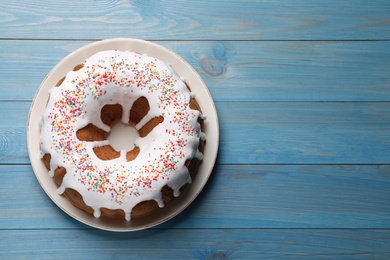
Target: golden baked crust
{"points": [[110, 115]]}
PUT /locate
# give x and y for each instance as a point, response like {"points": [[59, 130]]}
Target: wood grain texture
{"points": [[236, 196], [302, 90], [264, 132], [235, 71], [197, 244], [197, 20]]}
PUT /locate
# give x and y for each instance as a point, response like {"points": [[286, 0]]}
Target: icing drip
{"points": [[199, 155], [116, 77]]}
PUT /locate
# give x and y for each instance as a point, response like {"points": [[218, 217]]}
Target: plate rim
{"points": [[150, 47]]}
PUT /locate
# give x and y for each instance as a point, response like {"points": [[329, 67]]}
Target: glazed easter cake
{"points": [[138, 90]]}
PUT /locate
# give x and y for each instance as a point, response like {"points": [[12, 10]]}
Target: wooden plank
{"points": [[236, 196], [13, 131], [271, 132], [197, 20], [235, 71], [304, 132], [196, 244]]}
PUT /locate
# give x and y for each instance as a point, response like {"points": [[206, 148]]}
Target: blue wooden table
{"points": [[302, 91]]}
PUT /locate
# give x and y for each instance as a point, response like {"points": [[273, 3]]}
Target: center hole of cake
{"points": [[122, 136]]}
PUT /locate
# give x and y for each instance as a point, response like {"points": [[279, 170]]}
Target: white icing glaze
{"points": [[116, 77]]}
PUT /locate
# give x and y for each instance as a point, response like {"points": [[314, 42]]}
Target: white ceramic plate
{"points": [[203, 97]]}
